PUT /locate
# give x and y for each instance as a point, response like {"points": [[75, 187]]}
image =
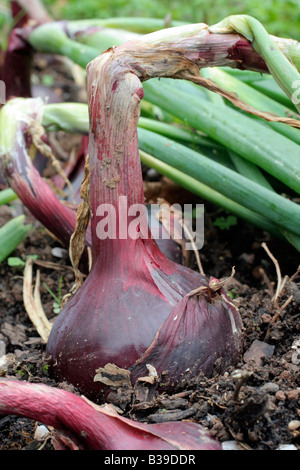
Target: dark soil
{"points": [[264, 412], [259, 411]]}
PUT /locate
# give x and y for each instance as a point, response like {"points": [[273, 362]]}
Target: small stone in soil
{"points": [[258, 351]]}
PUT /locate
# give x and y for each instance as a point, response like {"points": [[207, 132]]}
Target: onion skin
{"points": [[167, 245], [84, 425], [132, 287], [202, 334], [114, 317]]}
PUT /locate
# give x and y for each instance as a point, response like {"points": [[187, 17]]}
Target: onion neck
{"points": [[116, 179], [115, 91]]}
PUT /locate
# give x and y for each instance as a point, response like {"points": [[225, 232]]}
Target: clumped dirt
{"points": [[255, 404], [259, 408]]}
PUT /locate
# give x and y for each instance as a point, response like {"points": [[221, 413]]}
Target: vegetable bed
{"points": [[268, 402], [187, 349]]}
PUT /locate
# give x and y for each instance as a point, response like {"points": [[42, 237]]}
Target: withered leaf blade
{"points": [[32, 302], [78, 238]]}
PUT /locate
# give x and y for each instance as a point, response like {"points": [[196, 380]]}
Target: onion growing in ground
{"points": [[133, 288]]}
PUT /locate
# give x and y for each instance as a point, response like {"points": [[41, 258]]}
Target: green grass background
{"points": [[280, 17]]}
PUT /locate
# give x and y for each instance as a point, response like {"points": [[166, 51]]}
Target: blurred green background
{"points": [[280, 17]]}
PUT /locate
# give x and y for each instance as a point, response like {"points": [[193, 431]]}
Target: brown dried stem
{"points": [[78, 238], [32, 302]]}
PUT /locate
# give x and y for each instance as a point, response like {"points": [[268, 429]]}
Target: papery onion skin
{"points": [[91, 427], [203, 334], [113, 317]]}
